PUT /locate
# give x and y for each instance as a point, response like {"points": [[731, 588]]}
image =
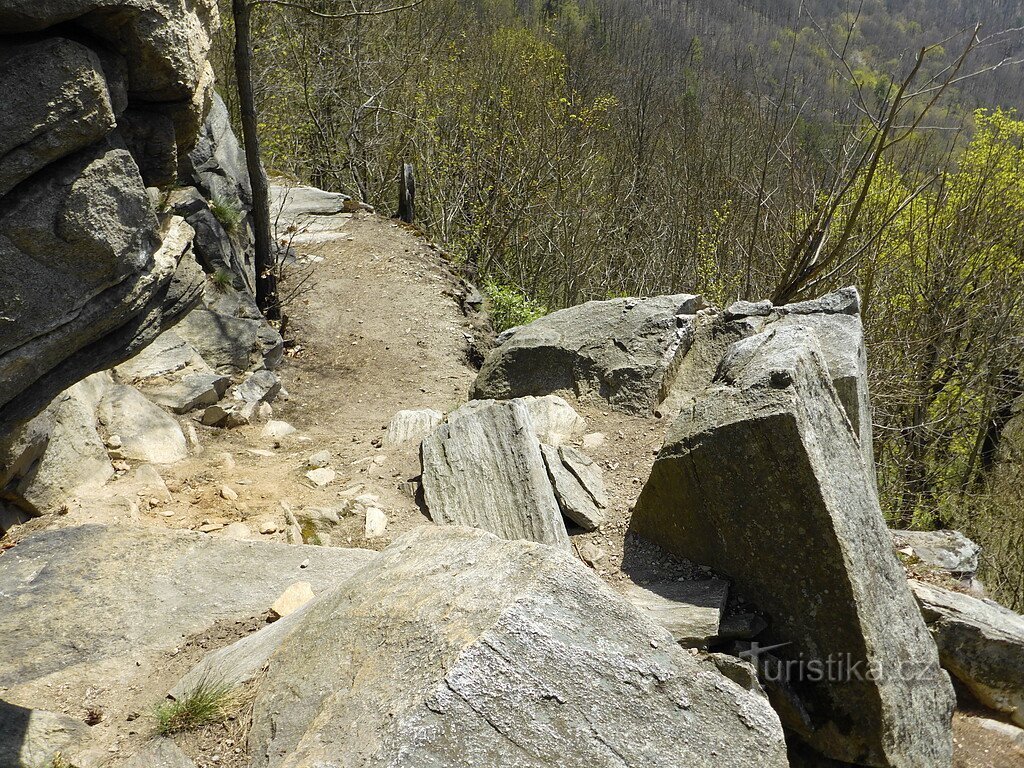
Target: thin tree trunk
{"points": [[266, 280]]}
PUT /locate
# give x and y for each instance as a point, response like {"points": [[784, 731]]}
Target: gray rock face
{"points": [[159, 753], [948, 551], [411, 426], [483, 468], [230, 344], [147, 433], [981, 643], [554, 420], [95, 109], [487, 662], [77, 597], [31, 737], [574, 499], [691, 610], [617, 351], [764, 469]]}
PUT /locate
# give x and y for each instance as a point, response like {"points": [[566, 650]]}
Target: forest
{"points": [[567, 150]]}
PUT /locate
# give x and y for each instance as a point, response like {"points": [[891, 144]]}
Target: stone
{"points": [[483, 468], [691, 610], [376, 523], [66, 108], [485, 663], [147, 433], [229, 344], [948, 551], [237, 530], [268, 527], [159, 753], [85, 603], [321, 477], [316, 524], [616, 351], [593, 440], [293, 598], [228, 493], [587, 472], [190, 392], [554, 420], [31, 737], [741, 309], [319, 459], [259, 387], [278, 429], [763, 469], [573, 499], [168, 353], [407, 427], [981, 644], [591, 554]]}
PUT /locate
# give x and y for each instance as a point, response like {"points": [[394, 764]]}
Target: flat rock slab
{"points": [[147, 432], [159, 753], [617, 351], [483, 468], [691, 610], [574, 500], [948, 551], [459, 648], [763, 479], [981, 643], [79, 596]]}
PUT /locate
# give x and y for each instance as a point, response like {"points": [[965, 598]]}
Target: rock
{"points": [[483, 468], [159, 753], [319, 459], [191, 391], [948, 551], [408, 427], [66, 109], [239, 531], [591, 554], [168, 353], [31, 737], [147, 433], [376, 523], [554, 420], [593, 440], [86, 602], [980, 643], [764, 469], [691, 610], [228, 493], [317, 523], [298, 203], [743, 309], [485, 663], [616, 350], [267, 527], [258, 387], [587, 472], [321, 477], [573, 499], [293, 598], [278, 429], [230, 344]]}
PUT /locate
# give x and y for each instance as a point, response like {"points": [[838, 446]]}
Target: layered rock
{"points": [[101, 99], [617, 351], [458, 648], [763, 478], [981, 643]]}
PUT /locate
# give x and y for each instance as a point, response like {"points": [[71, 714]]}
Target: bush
{"points": [[206, 704], [509, 307]]}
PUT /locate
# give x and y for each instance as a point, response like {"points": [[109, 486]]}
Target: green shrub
{"points": [[205, 704], [509, 307], [222, 280], [228, 212]]}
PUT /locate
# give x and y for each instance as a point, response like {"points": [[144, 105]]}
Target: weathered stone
{"points": [[554, 420], [81, 601], [259, 387], [292, 599], [573, 499], [229, 344], [190, 392], [408, 427], [691, 610], [616, 350], [375, 524], [237, 530], [55, 103], [278, 429], [981, 643], [483, 468], [764, 469], [319, 459], [31, 737], [159, 753], [322, 476], [317, 523], [167, 354], [147, 433], [485, 663], [948, 551], [587, 471]]}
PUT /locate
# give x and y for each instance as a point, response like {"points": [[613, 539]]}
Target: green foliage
{"points": [[222, 280], [206, 704], [508, 307], [228, 212]]}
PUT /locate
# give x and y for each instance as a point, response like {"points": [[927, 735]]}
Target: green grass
{"points": [[228, 213], [222, 280], [206, 704]]}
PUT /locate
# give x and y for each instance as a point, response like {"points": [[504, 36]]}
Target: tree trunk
{"points": [[266, 277], [407, 194]]}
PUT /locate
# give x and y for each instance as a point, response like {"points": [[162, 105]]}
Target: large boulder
{"points": [[483, 468], [616, 351], [981, 643], [764, 480], [147, 432], [459, 648]]}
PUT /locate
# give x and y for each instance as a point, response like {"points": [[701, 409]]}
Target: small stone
{"points": [[319, 459], [321, 477], [237, 531], [210, 527], [267, 527], [278, 429], [228, 493], [293, 598], [591, 554], [593, 440], [114, 442], [304, 563], [376, 522]]}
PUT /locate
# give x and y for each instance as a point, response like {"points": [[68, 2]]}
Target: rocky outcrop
{"points": [[981, 643], [101, 98], [764, 480], [459, 648], [948, 551], [617, 351]]}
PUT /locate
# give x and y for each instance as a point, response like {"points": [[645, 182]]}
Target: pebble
{"points": [[227, 492]]}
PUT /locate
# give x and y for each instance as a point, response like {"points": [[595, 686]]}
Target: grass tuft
{"points": [[206, 704], [228, 212], [222, 280]]}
